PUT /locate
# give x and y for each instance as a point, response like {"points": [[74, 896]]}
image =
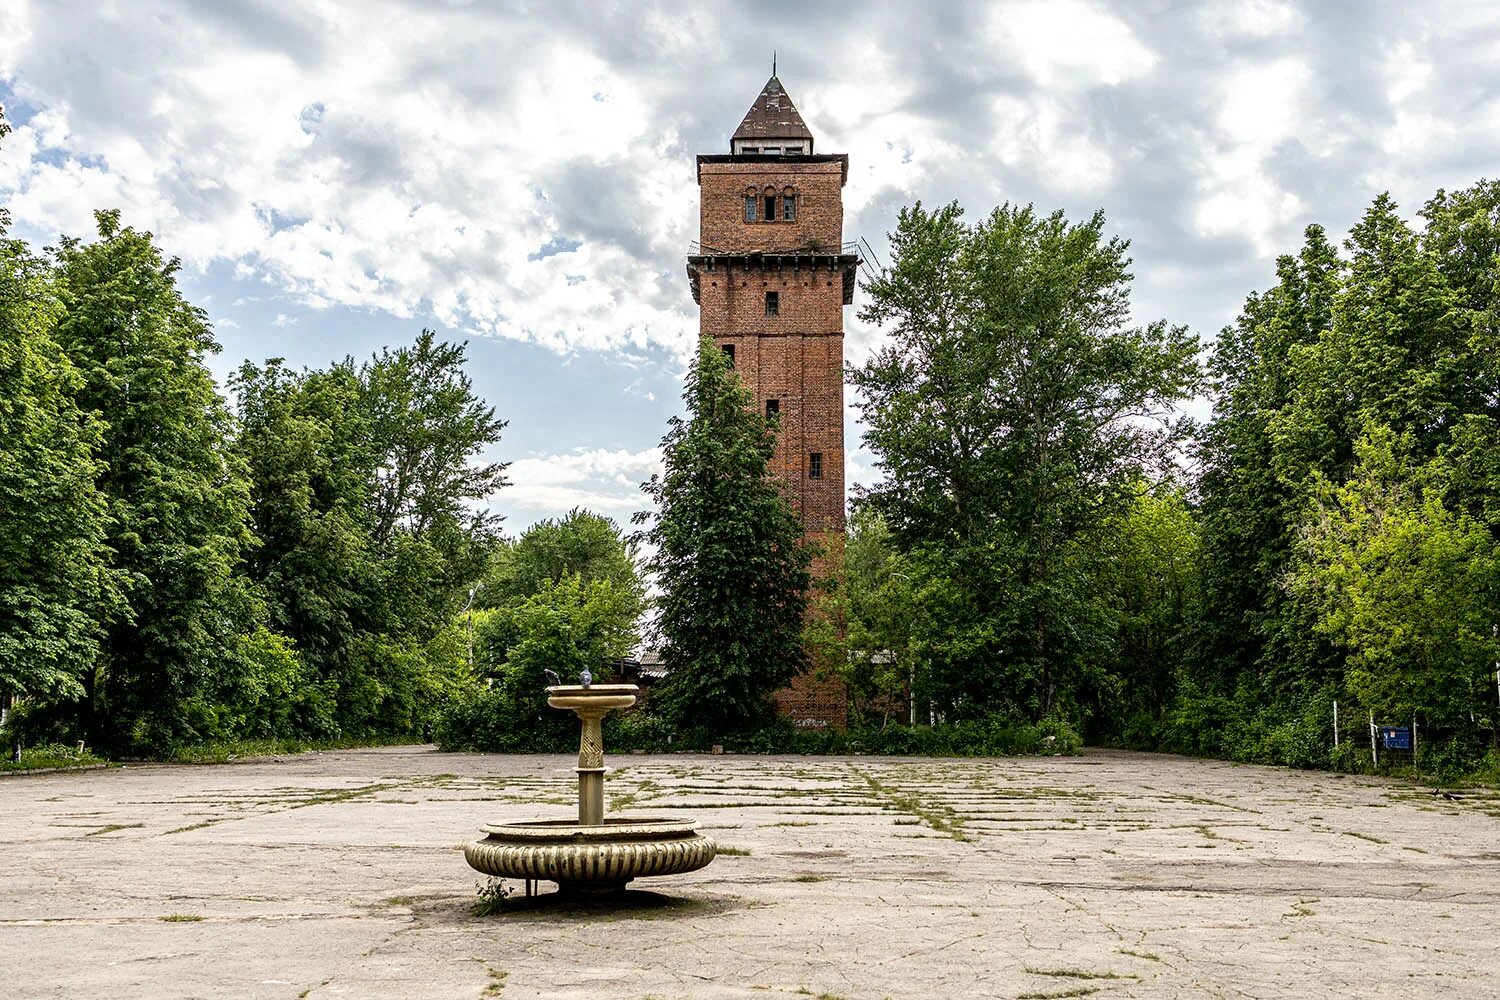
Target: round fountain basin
{"points": [[595, 698], [591, 859]]}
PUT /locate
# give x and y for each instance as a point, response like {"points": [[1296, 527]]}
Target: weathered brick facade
{"points": [[771, 282]]}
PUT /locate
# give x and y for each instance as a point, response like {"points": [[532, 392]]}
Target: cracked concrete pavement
{"points": [[1109, 874]]}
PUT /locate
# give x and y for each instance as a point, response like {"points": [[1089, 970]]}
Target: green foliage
{"points": [[1011, 413], [730, 559], [1148, 560], [55, 585], [176, 492], [1404, 584], [1349, 495], [881, 611], [477, 723], [566, 627], [363, 482], [275, 693], [583, 543], [50, 755]]}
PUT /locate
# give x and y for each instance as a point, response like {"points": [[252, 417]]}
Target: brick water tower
{"points": [[771, 278]]}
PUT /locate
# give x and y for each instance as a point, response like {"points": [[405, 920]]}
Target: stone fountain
{"points": [[597, 855]]}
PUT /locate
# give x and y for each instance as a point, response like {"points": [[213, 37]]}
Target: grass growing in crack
{"points": [[193, 826], [1149, 956], [810, 878], [112, 828], [940, 817], [1081, 991], [180, 918], [497, 982], [1077, 974], [734, 852], [1365, 836]]}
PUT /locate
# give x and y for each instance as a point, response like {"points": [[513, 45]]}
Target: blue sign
{"points": [[1395, 737]]}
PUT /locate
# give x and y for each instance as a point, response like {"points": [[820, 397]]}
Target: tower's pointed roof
{"points": [[773, 116]]}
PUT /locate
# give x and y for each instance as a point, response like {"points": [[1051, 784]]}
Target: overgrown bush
{"points": [[487, 720]]}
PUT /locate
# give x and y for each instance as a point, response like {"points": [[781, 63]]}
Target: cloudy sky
{"points": [[336, 176]]}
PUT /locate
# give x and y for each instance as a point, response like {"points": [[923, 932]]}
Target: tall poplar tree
{"points": [[730, 558], [54, 585], [176, 492]]}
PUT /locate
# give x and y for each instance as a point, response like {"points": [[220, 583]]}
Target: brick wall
{"points": [[820, 205]]}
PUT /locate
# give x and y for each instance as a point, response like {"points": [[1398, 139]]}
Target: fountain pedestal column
{"points": [[591, 766]]}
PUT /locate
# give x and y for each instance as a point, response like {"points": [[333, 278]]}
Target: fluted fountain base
{"points": [[591, 860]]}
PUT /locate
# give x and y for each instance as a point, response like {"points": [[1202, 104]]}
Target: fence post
{"points": [[1374, 753], [1414, 739], [1335, 725]]}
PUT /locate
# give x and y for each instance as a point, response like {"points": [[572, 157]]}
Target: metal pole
{"points": [[1335, 724], [469, 613], [1374, 753]]}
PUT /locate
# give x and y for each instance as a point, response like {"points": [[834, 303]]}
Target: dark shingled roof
{"points": [[773, 116]]}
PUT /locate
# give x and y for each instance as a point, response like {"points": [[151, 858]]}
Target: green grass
{"points": [[733, 852], [938, 816], [112, 828], [1076, 974], [1081, 991], [1365, 836], [219, 751], [51, 755], [180, 918]]}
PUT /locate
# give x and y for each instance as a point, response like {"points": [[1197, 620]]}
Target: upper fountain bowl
{"points": [[594, 698]]}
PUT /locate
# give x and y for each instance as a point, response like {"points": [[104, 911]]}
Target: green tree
{"points": [[566, 626], [367, 506], [729, 559], [1010, 412], [1149, 562], [583, 543], [55, 586], [176, 492], [1356, 406], [1253, 496], [880, 609], [1406, 585]]}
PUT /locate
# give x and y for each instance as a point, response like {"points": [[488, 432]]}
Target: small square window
{"points": [[789, 208], [729, 354], [773, 303], [750, 205], [815, 465], [773, 408], [770, 215]]}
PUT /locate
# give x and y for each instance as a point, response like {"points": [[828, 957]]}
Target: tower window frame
{"points": [[773, 303], [770, 213], [789, 208], [728, 350], [815, 465], [752, 207], [773, 408]]}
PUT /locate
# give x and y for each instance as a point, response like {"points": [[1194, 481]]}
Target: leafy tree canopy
{"points": [[729, 559]]}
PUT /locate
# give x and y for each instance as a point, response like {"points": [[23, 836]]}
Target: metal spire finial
{"points": [[773, 62]]}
